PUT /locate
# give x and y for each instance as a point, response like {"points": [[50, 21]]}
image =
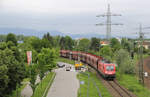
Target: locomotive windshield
{"points": [[109, 68]]}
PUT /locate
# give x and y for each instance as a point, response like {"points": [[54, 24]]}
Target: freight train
{"points": [[104, 67]]}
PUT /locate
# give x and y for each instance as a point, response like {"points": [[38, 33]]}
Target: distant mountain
{"points": [[86, 35], [29, 32], [33, 32]]}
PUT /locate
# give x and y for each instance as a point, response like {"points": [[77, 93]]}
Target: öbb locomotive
{"points": [[105, 68]]}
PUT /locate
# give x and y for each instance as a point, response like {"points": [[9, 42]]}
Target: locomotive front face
{"points": [[110, 70]]}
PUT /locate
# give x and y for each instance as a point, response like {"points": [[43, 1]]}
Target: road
{"points": [[65, 84]]}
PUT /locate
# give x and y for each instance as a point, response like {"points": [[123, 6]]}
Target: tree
{"points": [[34, 42], [83, 44], [106, 52], [56, 41], [128, 45], [115, 44], [49, 38], [62, 43], [11, 37], [68, 43], [46, 61], [124, 62], [14, 69], [33, 75], [2, 38], [3, 45], [23, 48], [3, 75], [20, 37], [95, 43], [46, 43]]}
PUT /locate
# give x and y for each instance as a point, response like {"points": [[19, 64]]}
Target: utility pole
{"points": [[141, 38], [108, 22], [141, 35]]}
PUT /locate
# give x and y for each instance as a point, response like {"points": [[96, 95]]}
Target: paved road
{"points": [[65, 84]]}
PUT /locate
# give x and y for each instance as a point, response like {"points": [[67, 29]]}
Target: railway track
{"points": [[114, 87], [119, 89]]}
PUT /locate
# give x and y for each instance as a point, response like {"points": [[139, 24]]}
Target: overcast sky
{"points": [[74, 16]]}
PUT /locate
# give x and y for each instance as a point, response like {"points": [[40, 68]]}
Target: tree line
{"points": [[13, 60], [45, 51]]}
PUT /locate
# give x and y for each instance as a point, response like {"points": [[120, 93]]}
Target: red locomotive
{"points": [[105, 68]]}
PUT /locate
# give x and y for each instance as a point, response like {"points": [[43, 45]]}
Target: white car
{"points": [[68, 68]]}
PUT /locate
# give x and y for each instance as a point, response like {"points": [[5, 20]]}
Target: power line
{"points": [[108, 22]]}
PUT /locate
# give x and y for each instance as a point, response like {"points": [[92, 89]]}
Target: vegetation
{"points": [[115, 44], [16, 93], [66, 43], [124, 62], [132, 84], [106, 52], [60, 59], [13, 60], [92, 90], [11, 37], [12, 69], [83, 45], [45, 51], [33, 76], [39, 91], [95, 44]]}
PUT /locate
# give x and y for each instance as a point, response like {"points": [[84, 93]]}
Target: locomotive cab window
{"points": [[109, 68]]}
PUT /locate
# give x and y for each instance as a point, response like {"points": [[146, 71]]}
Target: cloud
{"points": [[72, 6], [72, 16], [50, 6]]}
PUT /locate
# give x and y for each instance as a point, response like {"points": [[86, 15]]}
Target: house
{"points": [[146, 44], [103, 43]]}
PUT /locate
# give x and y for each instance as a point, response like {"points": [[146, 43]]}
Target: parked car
{"points": [[68, 68], [60, 65]]}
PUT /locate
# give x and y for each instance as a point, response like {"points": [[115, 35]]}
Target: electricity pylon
{"points": [[108, 22]]}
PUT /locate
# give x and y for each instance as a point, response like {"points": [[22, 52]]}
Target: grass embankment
{"points": [[65, 60], [131, 81], [132, 84], [43, 85], [93, 92], [17, 92]]}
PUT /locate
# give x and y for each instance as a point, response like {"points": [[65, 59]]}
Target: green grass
{"points": [[65, 60], [40, 89], [131, 83], [82, 92], [136, 57], [19, 89]]}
